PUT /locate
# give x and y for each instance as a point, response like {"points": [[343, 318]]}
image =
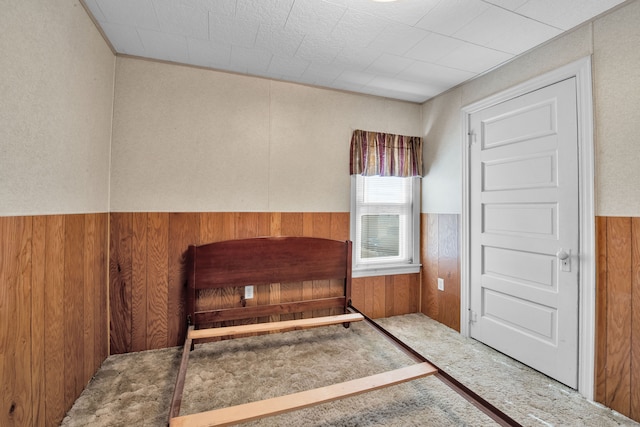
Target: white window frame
{"points": [[388, 266]]}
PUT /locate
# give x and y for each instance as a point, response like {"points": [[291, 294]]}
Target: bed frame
{"points": [[269, 260]]}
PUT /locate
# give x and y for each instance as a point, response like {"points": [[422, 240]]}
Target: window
{"points": [[385, 174], [385, 220]]}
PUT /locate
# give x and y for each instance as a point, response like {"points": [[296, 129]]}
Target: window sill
{"points": [[385, 270]]}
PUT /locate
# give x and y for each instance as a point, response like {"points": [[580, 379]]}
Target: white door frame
{"points": [[581, 70]]}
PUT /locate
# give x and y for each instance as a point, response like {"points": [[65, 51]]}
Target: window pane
{"points": [[380, 236], [387, 189]]}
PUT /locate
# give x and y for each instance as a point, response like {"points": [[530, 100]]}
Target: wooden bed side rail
{"points": [[304, 399], [313, 322], [237, 313], [472, 397], [176, 399]]}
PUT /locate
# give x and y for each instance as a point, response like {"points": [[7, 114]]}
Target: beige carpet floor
{"points": [[135, 389]]}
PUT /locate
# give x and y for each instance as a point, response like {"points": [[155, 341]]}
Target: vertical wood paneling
{"points": [[403, 293], [157, 279], [358, 286], [600, 392], [73, 307], [38, 356], [635, 320], [291, 224], [15, 323], [400, 287], [440, 259], [275, 224], [416, 286], [89, 287], [46, 347], [389, 301], [429, 251], [214, 227], [384, 296], [22, 323], [139, 281], [617, 380], [252, 224], [414, 293], [37, 278], [340, 226], [374, 303], [184, 230], [54, 319], [448, 269], [307, 224], [101, 283], [120, 283], [369, 283], [11, 407], [618, 314], [321, 224], [146, 262]]}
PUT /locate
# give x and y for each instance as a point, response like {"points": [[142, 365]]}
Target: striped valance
{"points": [[385, 154]]}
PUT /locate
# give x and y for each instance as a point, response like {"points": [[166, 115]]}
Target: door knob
{"points": [[565, 259]]}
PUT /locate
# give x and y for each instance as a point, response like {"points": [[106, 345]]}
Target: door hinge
{"points": [[473, 316]]}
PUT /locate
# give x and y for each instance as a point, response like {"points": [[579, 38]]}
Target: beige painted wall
{"points": [[180, 133], [442, 155], [617, 111], [613, 41], [56, 92], [190, 139]]}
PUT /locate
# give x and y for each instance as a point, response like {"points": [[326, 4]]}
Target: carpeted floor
{"points": [[135, 389]]}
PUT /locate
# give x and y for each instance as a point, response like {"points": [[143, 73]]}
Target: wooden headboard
{"points": [[266, 260]]}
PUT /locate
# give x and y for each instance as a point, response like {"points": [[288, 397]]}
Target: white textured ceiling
{"points": [[410, 50]]}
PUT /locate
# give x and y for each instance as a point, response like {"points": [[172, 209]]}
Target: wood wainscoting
{"points": [[440, 253], [53, 295], [146, 271], [53, 313], [385, 296], [617, 382]]}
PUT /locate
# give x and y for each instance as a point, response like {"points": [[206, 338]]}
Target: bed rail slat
{"points": [[237, 313], [304, 399], [229, 331]]}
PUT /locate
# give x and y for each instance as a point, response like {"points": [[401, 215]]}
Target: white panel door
{"points": [[525, 229]]}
